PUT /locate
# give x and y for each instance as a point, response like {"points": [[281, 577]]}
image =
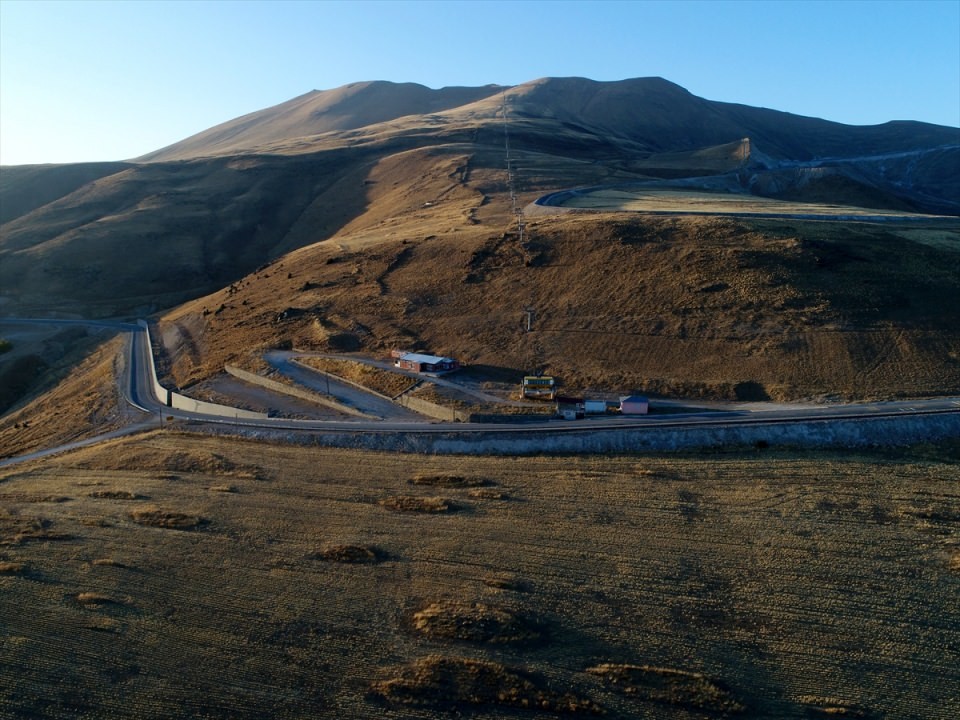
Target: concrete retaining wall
{"points": [[159, 391], [431, 409], [279, 387], [182, 402], [832, 434]]}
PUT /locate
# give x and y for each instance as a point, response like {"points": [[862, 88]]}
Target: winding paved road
{"points": [[137, 389]]}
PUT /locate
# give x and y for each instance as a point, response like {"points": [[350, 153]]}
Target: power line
{"points": [[511, 182]]}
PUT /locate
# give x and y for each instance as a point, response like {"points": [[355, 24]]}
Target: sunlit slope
{"points": [[120, 238], [711, 307], [346, 108]]}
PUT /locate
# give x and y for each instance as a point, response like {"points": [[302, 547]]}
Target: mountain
{"points": [[347, 108], [646, 114], [211, 208], [383, 212]]}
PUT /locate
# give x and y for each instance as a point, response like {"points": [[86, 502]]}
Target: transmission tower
{"points": [[518, 213]]}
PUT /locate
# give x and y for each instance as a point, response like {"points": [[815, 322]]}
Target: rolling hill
{"points": [[383, 212]]}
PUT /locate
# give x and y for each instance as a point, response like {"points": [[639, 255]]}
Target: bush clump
{"points": [[413, 503], [669, 686], [155, 517], [351, 554], [452, 682], [447, 481], [474, 622]]}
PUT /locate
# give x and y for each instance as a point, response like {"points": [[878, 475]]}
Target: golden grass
{"points": [[488, 494], [771, 576], [377, 379], [84, 402], [109, 562], [225, 488], [832, 707]]}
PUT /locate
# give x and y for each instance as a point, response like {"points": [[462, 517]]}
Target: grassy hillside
{"points": [[383, 227], [711, 307], [176, 575]]}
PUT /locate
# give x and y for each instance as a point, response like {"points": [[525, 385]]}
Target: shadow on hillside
{"points": [[493, 373]]}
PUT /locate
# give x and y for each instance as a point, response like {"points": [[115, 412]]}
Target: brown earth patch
{"points": [[475, 622], [9, 567], [488, 494], [447, 480], [116, 495], [820, 707], [109, 562], [412, 503], [15, 530], [452, 682], [95, 598], [352, 554], [507, 583], [668, 685], [34, 498], [155, 517]]}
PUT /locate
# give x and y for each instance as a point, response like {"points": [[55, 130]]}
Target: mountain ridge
{"points": [[215, 206], [653, 112]]}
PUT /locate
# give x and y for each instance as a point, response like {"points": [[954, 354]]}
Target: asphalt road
{"points": [[136, 387]]}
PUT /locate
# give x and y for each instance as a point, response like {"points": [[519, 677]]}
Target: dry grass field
{"points": [[677, 200], [679, 306], [179, 576]]}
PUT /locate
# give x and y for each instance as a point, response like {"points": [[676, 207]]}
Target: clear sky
{"points": [[113, 80]]}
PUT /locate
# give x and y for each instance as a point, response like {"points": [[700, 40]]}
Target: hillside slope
{"points": [[401, 232], [113, 238], [346, 108]]}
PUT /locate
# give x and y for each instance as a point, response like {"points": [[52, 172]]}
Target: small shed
{"points": [[595, 407], [421, 363], [634, 405]]}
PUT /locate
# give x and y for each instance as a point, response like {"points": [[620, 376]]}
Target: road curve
{"points": [[137, 389]]}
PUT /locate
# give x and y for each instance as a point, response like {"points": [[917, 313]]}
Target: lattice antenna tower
{"points": [[510, 176]]}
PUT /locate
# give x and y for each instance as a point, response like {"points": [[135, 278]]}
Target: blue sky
{"points": [[84, 81]]}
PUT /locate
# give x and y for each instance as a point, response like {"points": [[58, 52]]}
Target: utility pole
{"points": [[529, 311], [510, 177]]}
